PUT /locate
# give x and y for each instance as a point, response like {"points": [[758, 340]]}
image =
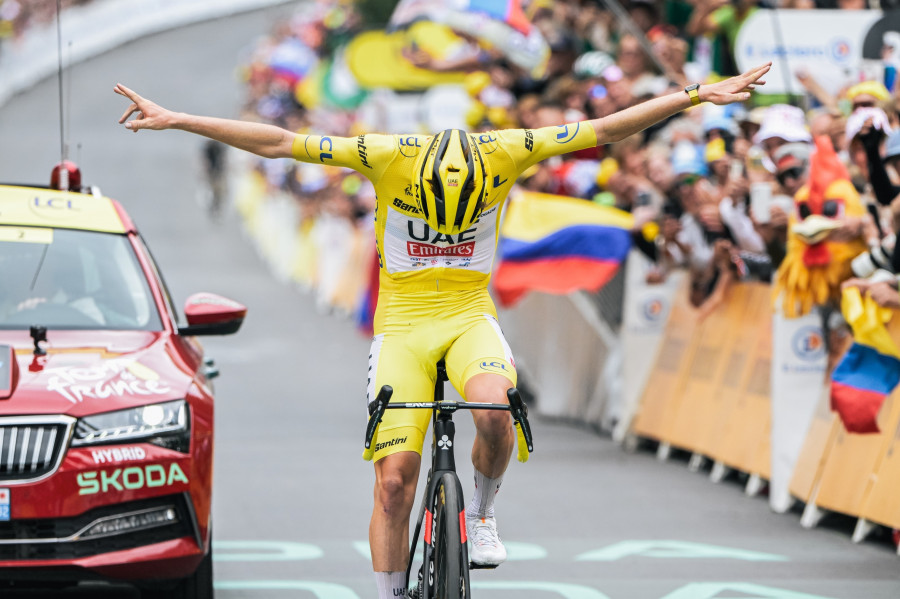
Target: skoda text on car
{"points": [[106, 408]]}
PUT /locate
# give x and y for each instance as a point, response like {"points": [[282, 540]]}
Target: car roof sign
{"points": [[37, 207]]}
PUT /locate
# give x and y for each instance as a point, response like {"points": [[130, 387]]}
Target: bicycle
{"points": [[445, 554]]}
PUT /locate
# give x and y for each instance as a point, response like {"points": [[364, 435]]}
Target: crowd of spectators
{"points": [[711, 189], [17, 16]]}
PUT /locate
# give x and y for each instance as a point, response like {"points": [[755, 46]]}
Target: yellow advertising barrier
{"points": [[709, 389], [664, 389], [742, 441], [852, 461], [702, 405], [880, 503], [838, 471]]}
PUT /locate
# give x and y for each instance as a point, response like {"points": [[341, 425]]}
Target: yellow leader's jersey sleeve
{"points": [[369, 155], [527, 147]]}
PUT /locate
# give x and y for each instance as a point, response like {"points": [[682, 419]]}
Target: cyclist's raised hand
{"points": [[148, 115], [734, 89]]}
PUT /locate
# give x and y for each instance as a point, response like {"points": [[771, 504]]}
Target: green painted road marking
{"points": [[322, 590], [516, 552], [326, 590], [264, 551], [695, 590], [568, 591], [362, 548], [710, 590], [675, 549]]}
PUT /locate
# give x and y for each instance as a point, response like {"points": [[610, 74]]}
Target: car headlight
{"points": [[163, 424]]}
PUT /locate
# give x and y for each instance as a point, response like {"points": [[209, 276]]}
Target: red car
{"points": [[106, 405]]}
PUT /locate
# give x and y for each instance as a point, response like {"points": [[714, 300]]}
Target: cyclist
{"points": [[437, 216]]}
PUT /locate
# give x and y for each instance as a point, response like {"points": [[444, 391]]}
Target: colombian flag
{"points": [[558, 245], [870, 369], [365, 312]]}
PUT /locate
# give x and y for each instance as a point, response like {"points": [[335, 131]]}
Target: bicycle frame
{"points": [[442, 454]]}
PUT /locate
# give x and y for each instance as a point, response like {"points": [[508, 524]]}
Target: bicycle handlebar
{"points": [[516, 407]]}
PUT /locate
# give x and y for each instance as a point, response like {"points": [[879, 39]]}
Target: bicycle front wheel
{"points": [[449, 560]]}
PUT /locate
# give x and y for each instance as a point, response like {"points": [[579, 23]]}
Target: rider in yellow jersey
{"points": [[439, 203]]}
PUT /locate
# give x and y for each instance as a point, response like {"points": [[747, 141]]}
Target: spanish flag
{"points": [[558, 245], [870, 369]]}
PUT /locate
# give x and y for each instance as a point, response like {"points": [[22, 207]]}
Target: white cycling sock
{"points": [[482, 505], [390, 584]]}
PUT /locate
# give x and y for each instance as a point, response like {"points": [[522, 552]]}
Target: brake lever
{"points": [[520, 414], [376, 411]]}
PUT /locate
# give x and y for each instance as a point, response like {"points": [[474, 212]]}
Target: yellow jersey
{"points": [[412, 257]]}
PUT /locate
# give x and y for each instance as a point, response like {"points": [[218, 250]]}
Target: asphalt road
{"points": [[583, 519]]}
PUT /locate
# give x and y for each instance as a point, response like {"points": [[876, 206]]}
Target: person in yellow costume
{"points": [[439, 199], [825, 235]]}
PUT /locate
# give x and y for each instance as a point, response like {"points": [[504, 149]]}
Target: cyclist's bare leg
{"points": [[396, 476], [494, 438]]}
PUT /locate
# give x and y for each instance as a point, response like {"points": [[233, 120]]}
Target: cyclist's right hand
{"points": [[149, 115]]}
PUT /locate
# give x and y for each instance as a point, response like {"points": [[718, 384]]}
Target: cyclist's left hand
{"points": [[734, 89], [149, 115]]}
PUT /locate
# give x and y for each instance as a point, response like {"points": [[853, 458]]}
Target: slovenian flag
{"points": [[870, 369], [558, 245]]}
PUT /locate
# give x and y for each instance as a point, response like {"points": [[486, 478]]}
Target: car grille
{"points": [[49, 538], [32, 447]]}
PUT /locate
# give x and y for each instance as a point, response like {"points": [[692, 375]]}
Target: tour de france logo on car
{"points": [[808, 343], [4, 505]]}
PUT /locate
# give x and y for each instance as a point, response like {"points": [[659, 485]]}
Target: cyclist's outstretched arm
{"points": [[632, 120], [265, 140], [367, 154]]}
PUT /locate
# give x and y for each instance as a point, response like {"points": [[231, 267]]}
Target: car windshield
{"points": [[68, 279]]}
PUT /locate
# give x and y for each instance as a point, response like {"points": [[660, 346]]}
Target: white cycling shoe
{"points": [[485, 547]]}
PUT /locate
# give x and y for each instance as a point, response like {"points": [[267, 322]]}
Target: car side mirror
{"points": [[211, 314]]}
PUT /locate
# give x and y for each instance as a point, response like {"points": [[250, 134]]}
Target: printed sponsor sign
{"points": [[827, 44]]}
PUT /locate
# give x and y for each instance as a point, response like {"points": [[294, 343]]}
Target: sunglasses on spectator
{"points": [[864, 104], [791, 173]]}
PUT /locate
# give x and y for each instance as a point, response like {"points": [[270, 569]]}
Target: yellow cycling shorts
{"points": [[413, 331]]}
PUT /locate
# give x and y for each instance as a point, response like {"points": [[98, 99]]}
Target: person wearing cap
{"points": [[781, 124], [791, 167], [868, 94], [791, 173], [688, 224]]}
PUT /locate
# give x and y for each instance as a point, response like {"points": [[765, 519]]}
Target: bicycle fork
{"points": [[443, 460]]}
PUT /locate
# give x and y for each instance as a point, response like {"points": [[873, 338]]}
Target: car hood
{"points": [[89, 372]]}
